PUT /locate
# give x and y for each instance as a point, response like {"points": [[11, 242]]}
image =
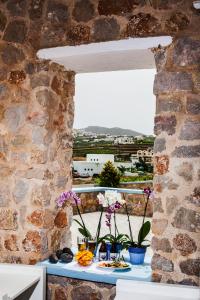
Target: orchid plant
{"points": [[112, 201], [145, 227], [72, 198]]}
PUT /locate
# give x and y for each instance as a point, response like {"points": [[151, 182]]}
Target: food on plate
{"points": [[114, 264]]}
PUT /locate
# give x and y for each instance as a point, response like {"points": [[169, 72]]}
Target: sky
{"points": [[116, 99]]}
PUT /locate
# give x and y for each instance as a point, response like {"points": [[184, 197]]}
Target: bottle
{"points": [[102, 251], [113, 252]]}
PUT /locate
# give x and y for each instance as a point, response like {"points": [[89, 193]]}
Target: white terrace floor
{"points": [[91, 221]]}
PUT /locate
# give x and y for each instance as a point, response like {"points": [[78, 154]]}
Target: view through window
{"points": [[114, 119]]}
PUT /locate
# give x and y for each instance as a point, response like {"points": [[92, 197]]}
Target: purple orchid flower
{"points": [[68, 196]]}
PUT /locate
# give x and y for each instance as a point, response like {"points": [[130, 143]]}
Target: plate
{"points": [[102, 266]]}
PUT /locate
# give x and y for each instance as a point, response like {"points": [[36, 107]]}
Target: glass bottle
{"points": [[102, 251]]}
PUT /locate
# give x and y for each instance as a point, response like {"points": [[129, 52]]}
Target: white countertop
{"points": [[16, 279]]}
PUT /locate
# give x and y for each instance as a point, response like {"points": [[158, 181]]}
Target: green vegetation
{"points": [[136, 178], [109, 177]]}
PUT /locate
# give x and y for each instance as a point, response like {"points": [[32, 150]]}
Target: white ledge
{"points": [[128, 54]]}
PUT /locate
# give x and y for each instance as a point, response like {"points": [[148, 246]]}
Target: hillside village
{"points": [[126, 149]]}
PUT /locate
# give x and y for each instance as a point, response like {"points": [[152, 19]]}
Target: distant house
{"points": [[93, 165], [100, 158], [124, 140], [95, 162]]}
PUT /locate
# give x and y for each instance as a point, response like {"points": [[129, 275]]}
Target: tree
{"points": [[122, 169], [109, 177]]}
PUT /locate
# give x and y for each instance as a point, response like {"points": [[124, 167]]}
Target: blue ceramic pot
{"points": [[118, 247], [137, 255]]}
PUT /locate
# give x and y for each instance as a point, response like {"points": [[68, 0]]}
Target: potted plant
{"points": [[115, 241], [137, 249], [72, 198]]}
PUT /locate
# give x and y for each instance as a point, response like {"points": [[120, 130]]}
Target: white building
{"points": [[100, 158], [95, 162], [124, 140]]}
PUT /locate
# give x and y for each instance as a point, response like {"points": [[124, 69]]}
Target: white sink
{"points": [[26, 282]]}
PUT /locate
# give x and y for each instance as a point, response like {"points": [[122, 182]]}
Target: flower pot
{"points": [[137, 255], [118, 247]]}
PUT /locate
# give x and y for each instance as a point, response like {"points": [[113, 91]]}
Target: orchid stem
{"points": [[115, 224], [81, 217], [129, 223], [99, 225]]}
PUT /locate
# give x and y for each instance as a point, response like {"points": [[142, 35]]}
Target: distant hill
{"points": [[112, 131]]}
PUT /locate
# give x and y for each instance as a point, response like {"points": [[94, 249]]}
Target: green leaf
{"points": [[144, 231], [79, 223], [84, 232]]}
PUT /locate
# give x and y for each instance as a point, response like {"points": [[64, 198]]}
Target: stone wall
{"points": [[35, 139], [176, 220], [36, 116], [64, 288], [135, 204]]}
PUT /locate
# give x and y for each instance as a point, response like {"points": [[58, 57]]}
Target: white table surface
{"points": [[14, 284]]}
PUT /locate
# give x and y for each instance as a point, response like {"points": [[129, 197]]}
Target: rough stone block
{"points": [[57, 13], [161, 244], [78, 34], [41, 195], [171, 204], [160, 56], [8, 219], [46, 98], [161, 164], [15, 117], [161, 263], [194, 198], [166, 82], [32, 242], [185, 244], [106, 29], [10, 243], [61, 219], [165, 123], [36, 9], [12, 55], [56, 85], [17, 77], [39, 80], [190, 130], [193, 104], [185, 170], [16, 32], [83, 11], [157, 205], [177, 21], [112, 7], [20, 190], [191, 267], [142, 24], [186, 52], [159, 145], [159, 226], [3, 21], [41, 218], [17, 7], [88, 292], [168, 105], [4, 195], [187, 219], [187, 151]]}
